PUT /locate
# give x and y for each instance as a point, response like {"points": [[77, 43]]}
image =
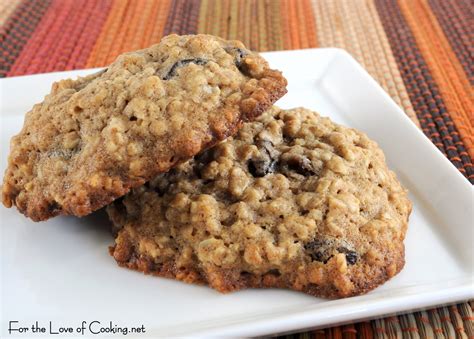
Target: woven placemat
{"points": [[454, 321], [420, 52]]}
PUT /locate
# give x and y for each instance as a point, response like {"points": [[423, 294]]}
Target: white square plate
{"points": [[60, 270]]}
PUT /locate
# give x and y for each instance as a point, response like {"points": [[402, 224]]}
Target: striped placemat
{"points": [[454, 321], [420, 51]]}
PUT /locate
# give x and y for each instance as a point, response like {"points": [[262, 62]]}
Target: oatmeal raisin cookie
{"points": [[292, 201], [93, 139]]}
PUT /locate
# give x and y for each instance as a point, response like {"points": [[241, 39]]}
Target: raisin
{"points": [[201, 161], [324, 249], [162, 183], [238, 55], [275, 272], [161, 188], [351, 256], [299, 164], [205, 157], [53, 207], [320, 249], [266, 161], [172, 72], [260, 168]]}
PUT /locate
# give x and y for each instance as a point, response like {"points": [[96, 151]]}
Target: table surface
{"points": [[420, 51]]}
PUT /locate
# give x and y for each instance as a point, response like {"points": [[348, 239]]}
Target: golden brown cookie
{"points": [[292, 201], [92, 139]]}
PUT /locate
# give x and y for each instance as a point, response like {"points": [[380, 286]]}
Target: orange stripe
{"points": [[141, 33], [301, 19], [160, 22], [119, 38], [130, 32], [293, 19], [310, 21], [98, 56], [444, 66], [148, 33], [336, 333]]}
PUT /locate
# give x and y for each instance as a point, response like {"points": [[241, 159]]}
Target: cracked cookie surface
{"points": [[92, 139], [293, 200]]}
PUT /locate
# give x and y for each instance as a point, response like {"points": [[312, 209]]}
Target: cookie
{"points": [[92, 139], [292, 201]]}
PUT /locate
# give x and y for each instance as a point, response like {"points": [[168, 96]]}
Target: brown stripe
{"points": [[192, 23], [423, 91], [269, 25], [276, 31], [285, 25], [184, 17], [173, 21], [170, 20], [262, 27], [254, 38]]}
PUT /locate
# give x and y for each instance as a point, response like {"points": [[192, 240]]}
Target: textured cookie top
{"points": [[94, 138], [293, 200]]}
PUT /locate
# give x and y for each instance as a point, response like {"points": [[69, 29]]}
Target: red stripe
{"points": [[17, 29], [68, 35], [40, 44], [89, 35]]}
